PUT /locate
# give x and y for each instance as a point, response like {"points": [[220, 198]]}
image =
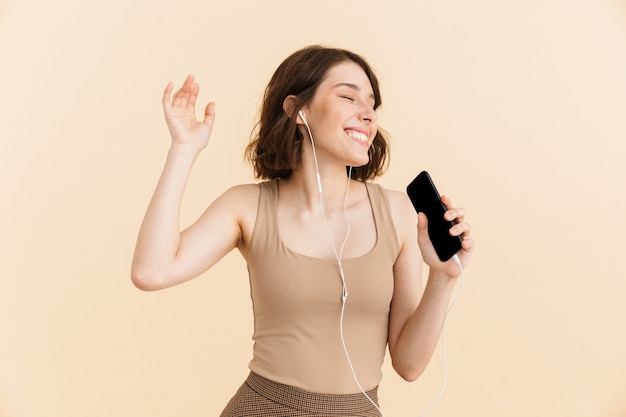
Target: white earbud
{"points": [[317, 171], [302, 117]]}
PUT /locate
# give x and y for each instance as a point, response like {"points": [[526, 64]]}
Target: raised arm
{"points": [[418, 312], [163, 255]]}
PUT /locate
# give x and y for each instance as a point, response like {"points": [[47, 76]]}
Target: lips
{"points": [[358, 135]]}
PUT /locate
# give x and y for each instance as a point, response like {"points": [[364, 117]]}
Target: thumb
{"points": [[422, 228], [209, 112]]}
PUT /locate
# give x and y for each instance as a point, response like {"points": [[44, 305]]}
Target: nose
{"points": [[368, 114]]}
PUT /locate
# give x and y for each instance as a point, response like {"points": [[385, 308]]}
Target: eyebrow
{"points": [[353, 87]]}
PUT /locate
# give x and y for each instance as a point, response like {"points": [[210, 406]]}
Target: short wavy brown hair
{"points": [[276, 145]]}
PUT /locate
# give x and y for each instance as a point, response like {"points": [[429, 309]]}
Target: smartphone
{"points": [[426, 199]]}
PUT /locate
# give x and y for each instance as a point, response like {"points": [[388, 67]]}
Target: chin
{"points": [[359, 164]]}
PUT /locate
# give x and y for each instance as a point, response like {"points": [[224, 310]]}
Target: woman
{"points": [[335, 261]]}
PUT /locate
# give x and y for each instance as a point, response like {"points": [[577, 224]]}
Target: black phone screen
{"points": [[426, 199]]}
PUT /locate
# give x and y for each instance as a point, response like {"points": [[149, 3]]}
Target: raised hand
{"points": [[180, 115]]}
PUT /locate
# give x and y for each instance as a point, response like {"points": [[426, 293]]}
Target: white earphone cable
{"points": [[344, 291], [338, 257], [443, 340]]}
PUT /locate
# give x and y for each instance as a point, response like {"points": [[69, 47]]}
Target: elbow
{"points": [[409, 362], [409, 373], [410, 376], [142, 284], [145, 280]]}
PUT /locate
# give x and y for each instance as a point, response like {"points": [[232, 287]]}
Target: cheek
{"points": [[326, 113], [374, 133]]}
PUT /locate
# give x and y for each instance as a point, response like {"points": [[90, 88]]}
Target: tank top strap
{"points": [[265, 234], [387, 234]]}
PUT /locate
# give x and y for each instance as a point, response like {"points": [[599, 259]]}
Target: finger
{"points": [[180, 97], [209, 113], [449, 214], [446, 201], [468, 244], [461, 229], [193, 96], [167, 94], [422, 228], [188, 80], [457, 214]]}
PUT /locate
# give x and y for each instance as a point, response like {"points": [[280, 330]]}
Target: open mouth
{"points": [[359, 136]]}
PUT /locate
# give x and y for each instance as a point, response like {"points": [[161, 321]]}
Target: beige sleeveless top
{"points": [[297, 305]]}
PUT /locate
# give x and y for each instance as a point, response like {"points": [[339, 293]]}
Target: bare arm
{"points": [[418, 313], [163, 255]]}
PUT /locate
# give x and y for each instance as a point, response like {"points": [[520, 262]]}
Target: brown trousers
{"points": [[260, 397]]}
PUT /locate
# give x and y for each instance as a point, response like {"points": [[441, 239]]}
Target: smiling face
{"points": [[341, 116], [280, 139]]}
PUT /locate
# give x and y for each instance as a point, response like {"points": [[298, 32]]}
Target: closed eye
{"points": [[348, 98]]}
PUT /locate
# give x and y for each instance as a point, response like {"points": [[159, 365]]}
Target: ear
{"points": [[289, 106]]}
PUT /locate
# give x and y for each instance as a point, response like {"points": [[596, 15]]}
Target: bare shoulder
{"points": [[244, 193], [401, 208], [234, 204], [403, 215], [242, 201]]}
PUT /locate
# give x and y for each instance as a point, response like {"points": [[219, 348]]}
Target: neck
{"points": [[306, 186], [333, 179]]}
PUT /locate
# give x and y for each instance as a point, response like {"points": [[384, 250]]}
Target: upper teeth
{"points": [[357, 135]]}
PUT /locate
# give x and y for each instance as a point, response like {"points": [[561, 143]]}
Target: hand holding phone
{"points": [[426, 199]]}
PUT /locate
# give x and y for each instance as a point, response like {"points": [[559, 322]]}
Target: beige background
{"points": [[516, 107]]}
